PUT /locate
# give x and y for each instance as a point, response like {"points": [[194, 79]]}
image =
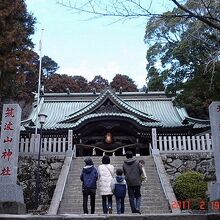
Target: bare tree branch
{"points": [[129, 9]]}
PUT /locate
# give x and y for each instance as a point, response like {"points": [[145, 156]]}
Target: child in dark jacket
{"points": [[89, 176], [119, 188]]}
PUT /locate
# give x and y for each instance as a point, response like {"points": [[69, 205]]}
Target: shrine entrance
{"points": [[112, 137]]}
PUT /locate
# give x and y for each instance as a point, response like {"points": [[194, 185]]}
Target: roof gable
{"points": [[108, 102]]}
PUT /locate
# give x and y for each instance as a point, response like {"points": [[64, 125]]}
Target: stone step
{"points": [[75, 194], [130, 216], [153, 199], [152, 211], [156, 191], [145, 207], [77, 172], [127, 206], [156, 194], [98, 199]]}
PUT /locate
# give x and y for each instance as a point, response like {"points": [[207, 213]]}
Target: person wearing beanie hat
{"points": [[88, 161], [89, 176]]}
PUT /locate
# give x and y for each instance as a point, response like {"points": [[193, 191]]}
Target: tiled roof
{"points": [[108, 115], [108, 94], [148, 110]]}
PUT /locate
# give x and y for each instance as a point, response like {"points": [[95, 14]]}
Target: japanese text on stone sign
{"points": [[7, 144]]}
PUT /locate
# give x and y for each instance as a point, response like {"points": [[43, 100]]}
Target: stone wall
{"points": [[176, 164], [50, 168]]}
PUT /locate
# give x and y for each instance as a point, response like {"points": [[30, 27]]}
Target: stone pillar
{"points": [[214, 114], [11, 194], [70, 139], [155, 151], [36, 143]]}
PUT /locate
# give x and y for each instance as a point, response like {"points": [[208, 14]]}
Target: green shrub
{"points": [[191, 186]]}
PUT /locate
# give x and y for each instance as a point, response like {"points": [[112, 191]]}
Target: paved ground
{"points": [[114, 217]]}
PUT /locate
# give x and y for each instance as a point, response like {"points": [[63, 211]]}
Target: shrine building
{"points": [[111, 121]]}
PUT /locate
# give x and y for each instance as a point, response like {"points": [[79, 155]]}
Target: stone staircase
{"points": [[153, 198]]}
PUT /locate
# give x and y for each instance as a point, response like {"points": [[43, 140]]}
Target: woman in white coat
{"points": [[106, 175]]}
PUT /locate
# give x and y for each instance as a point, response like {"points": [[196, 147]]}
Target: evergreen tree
{"points": [[123, 82], [49, 66], [65, 83], [188, 53], [98, 83], [17, 59]]}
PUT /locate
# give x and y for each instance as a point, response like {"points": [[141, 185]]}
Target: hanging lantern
{"points": [[108, 138]]}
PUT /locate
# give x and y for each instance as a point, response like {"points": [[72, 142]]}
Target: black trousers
{"points": [[106, 203], [86, 194], [134, 193]]}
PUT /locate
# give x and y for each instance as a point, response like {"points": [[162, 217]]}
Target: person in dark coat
{"points": [[133, 171], [119, 188], [89, 177]]}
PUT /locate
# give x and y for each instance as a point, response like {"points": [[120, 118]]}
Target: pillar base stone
{"points": [[214, 191], [11, 199], [12, 208]]}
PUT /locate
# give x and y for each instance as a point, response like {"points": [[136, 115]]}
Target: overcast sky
{"points": [[90, 47]]}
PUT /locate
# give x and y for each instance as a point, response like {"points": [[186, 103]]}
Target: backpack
{"points": [[120, 190]]}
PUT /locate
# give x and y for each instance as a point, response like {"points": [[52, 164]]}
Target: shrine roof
{"points": [[152, 109]]}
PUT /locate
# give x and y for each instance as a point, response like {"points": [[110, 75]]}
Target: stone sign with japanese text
{"points": [[214, 114], [154, 149], [10, 192], [10, 133]]}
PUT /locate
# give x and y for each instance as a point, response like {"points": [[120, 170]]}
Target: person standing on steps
{"points": [[89, 177], [106, 175], [133, 171], [119, 188]]}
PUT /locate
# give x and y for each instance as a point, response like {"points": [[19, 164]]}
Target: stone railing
{"points": [[58, 192], [183, 144], [55, 145], [165, 144], [59, 146], [165, 183]]}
